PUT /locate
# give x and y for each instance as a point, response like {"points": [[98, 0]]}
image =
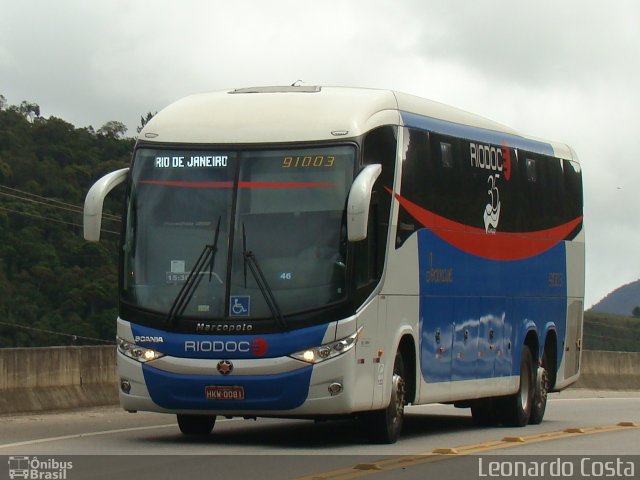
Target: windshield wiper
{"points": [[261, 281], [207, 257]]}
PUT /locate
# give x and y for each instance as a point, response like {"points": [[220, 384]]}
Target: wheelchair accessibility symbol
{"points": [[240, 306]]}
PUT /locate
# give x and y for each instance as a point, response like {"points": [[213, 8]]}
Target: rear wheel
{"points": [[384, 426], [196, 424], [518, 407]]}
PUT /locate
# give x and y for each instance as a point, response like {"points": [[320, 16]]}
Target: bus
{"points": [[317, 252]]}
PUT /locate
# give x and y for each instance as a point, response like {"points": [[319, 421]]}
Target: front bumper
{"points": [[294, 389]]}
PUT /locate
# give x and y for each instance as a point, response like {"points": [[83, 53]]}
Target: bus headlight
{"points": [[136, 352], [328, 350]]}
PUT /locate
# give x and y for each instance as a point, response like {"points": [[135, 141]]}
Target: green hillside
{"points": [[622, 301], [52, 282], [604, 331]]}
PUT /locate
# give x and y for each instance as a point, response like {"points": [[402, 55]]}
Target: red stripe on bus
{"points": [[284, 184], [175, 183], [493, 246]]}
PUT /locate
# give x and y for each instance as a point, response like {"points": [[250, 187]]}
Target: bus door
{"points": [[573, 342]]}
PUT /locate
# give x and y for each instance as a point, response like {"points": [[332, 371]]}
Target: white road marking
{"points": [[98, 433], [82, 435], [593, 398]]}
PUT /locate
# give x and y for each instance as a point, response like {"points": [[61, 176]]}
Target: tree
{"points": [[5, 171], [113, 129], [3, 102], [144, 120], [29, 110], [50, 278], [636, 312]]}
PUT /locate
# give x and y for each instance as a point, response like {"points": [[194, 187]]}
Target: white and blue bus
{"points": [[314, 252]]}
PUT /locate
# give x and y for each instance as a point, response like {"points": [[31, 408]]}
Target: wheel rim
{"points": [[543, 378], [525, 388], [398, 406]]}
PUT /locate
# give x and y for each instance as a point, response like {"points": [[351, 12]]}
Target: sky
{"points": [[562, 70]]}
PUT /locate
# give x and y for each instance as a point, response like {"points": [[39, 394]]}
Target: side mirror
{"points": [[95, 199], [358, 202]]}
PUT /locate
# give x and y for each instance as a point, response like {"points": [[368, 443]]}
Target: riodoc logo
{"points": [[497, 159], [257, 347]]}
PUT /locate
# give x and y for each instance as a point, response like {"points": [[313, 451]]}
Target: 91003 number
{"points": [[309, 161]]}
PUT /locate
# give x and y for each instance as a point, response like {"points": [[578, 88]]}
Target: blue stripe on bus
{"points": [[173, 391], [478, 134], [464, 297]]}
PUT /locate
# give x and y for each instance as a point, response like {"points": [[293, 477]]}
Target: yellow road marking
{"points": [[444, 453], [367, 466], [513, 439]]}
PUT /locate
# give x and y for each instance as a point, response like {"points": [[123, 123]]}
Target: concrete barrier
{"points": [[602, 370], [37, 379]]}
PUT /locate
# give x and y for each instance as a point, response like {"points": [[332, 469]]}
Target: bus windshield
{"points": [[282, 211]]}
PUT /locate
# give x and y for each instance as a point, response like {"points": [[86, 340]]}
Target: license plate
{"points": [[224, 393]]}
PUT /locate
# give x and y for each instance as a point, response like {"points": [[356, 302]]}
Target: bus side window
{"points": [[531, 170], [366, 254], [418, 180], [573, 189], [379, 148]]}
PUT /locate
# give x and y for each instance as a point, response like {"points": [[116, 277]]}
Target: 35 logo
{"points": [[492, 210]]}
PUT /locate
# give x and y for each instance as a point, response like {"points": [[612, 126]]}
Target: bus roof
{"points": [[311, 113]]}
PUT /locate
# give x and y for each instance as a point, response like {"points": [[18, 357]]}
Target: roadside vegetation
{"points": [[55, 288], [604, 331]]}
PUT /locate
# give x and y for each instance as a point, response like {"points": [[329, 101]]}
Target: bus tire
{"points": [[539, 404], [196, 424], [518, 407], [384, 426]]}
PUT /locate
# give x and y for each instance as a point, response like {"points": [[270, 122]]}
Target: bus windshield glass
{"points": [[282, 211]]}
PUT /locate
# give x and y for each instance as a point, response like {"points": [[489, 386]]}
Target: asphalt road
{"points": [[110, 443]]}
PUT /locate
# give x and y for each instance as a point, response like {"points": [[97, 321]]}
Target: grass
{"points": [[604, 331]]}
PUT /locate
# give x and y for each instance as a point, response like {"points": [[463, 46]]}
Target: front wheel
{"points": [[384, 426], [196, 424]]}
